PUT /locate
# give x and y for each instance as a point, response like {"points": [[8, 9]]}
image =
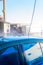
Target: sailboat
{"points": [[21, 50]]}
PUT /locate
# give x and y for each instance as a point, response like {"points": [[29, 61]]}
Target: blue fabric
{"points": [[30, 39], [9, 51], [37, 61], [9, 57], [28, 46], [40, 63]]}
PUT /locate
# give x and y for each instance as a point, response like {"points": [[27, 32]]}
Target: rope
{"points": [[41, 48]]}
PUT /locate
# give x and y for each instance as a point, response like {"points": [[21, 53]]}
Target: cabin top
{"points": [[21, 38]]}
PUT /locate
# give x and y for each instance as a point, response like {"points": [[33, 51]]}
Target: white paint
{"points": [[35, 52]]}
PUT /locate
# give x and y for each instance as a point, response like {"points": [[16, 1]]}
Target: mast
{"points": [[4, 10]]}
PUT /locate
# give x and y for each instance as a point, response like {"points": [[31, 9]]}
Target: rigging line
{"points": [[41, 48], [32, 15]]}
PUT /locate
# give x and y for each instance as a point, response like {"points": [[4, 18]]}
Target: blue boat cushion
{"points": [[9, 57], [9, 51], [37, 61]]}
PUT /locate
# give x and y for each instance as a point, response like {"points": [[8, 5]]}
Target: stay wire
{"points": [[32, 16]]}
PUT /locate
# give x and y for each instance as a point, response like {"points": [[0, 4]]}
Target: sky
{"points": [[20, 11]]}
